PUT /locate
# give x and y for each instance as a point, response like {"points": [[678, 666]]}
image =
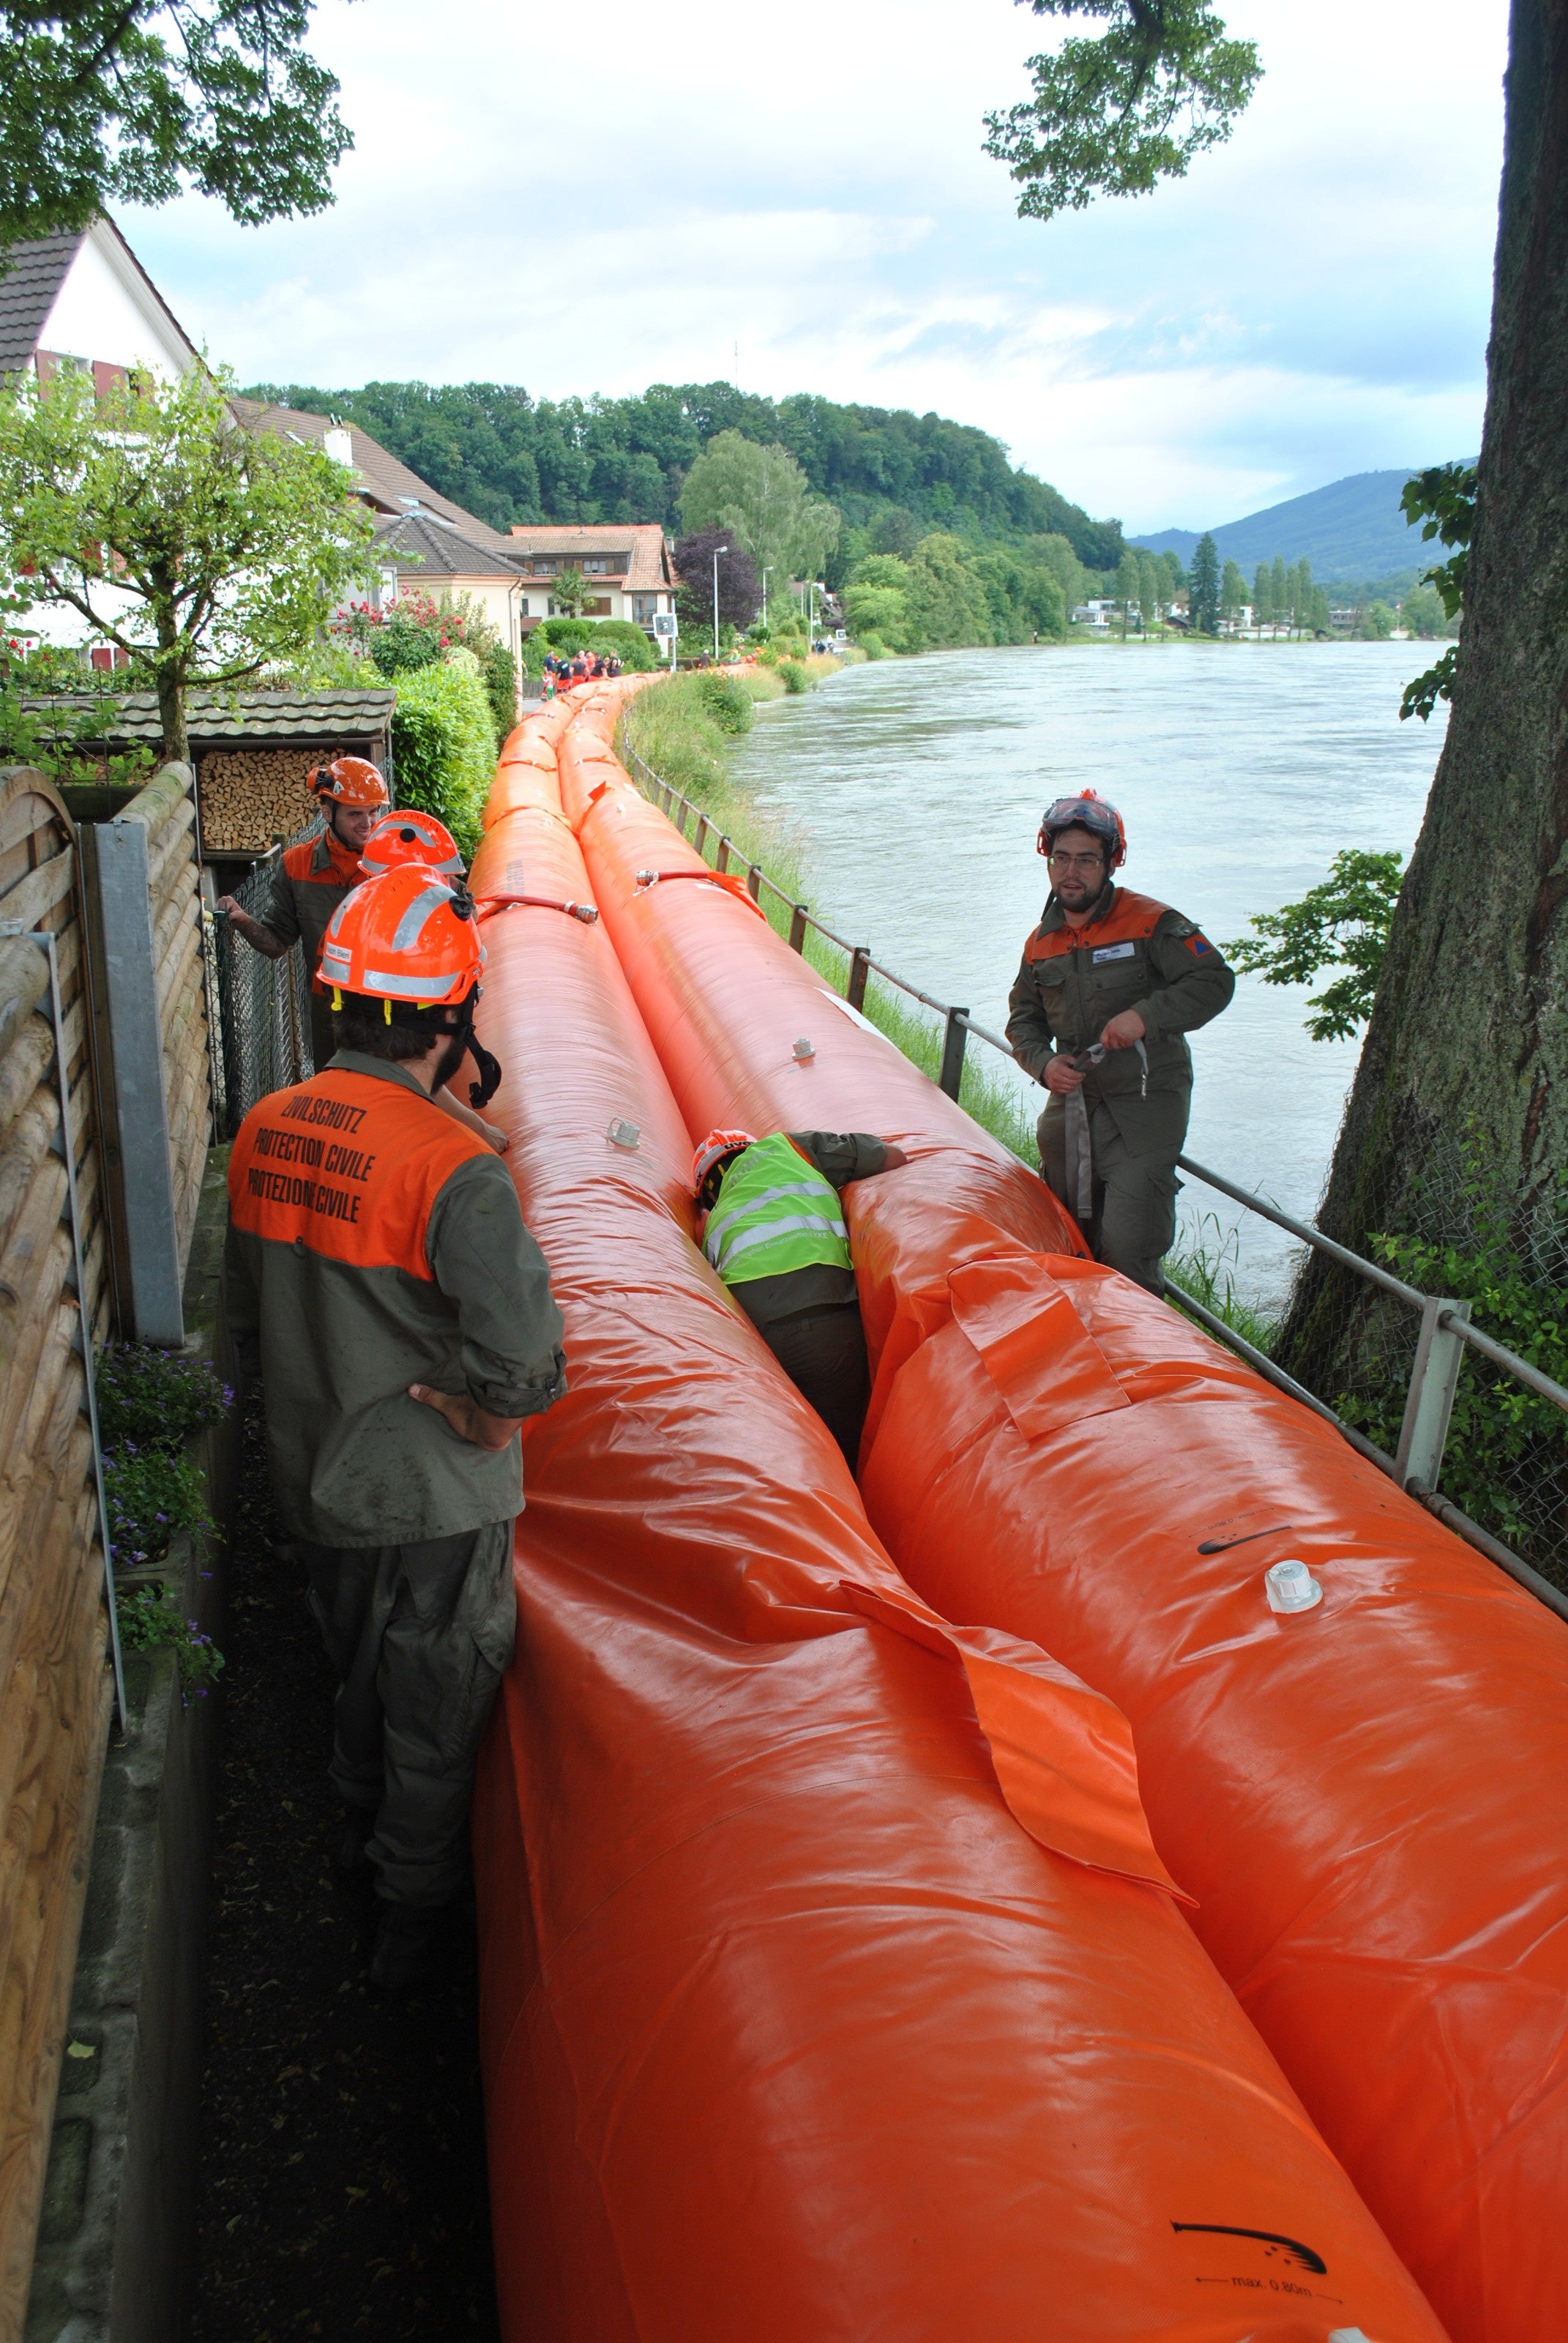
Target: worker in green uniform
{"points": [[1110, 986], [379, 1273], [774, 1230]]}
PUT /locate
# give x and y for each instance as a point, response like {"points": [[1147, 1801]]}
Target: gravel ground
{"points": [[342, 2189]]}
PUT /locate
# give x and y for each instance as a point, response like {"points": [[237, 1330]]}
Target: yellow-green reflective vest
{"points": [[773, 1213]]}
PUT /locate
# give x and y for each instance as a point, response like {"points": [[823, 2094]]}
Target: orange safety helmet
{"points": [[410, 836], [713, 1150], [350, 781], [407, 937], [1087, 810]]}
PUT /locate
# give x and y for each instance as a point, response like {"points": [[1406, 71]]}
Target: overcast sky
{"points": [[626, 192]]}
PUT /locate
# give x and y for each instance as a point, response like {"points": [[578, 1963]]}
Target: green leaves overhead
{"points": [[1114, 115], [95, 102]]}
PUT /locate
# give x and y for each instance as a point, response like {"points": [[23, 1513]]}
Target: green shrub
{"points": [[443, 742], [671, 727], [795, 675], [499, 670], [155, 1398], [726, 699], [150, 1494], [874, 646], [150, 1620], [564, 635]]}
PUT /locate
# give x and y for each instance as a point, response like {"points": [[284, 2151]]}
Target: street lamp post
{"points": [[717, 551], [765, 600]]}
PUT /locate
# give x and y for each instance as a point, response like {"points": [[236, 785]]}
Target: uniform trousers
{"points": [[1135, 1190], [823, 1352], [420, 1636]]}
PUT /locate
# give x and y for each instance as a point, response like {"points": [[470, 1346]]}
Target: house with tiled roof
{"points": [[82, 300], [628, 565]]}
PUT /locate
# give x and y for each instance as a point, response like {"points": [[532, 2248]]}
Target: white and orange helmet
{"points": [[407, 937], [713, 1150], [410, 834]]}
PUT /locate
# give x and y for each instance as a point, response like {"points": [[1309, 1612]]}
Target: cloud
{"points": [[1310, 301]]}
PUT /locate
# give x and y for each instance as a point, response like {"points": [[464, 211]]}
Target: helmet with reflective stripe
{"points": [[350, 781], [713, 1150], [407, 937], [410, 836], [1087, 810]]}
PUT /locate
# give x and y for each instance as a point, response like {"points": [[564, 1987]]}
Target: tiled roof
{"points": [[30, 277], [444, 550], [244, 716], [644, 540], [389, 483]]}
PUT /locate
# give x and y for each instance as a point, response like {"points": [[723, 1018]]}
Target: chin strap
{"points": [[481, 1092]]}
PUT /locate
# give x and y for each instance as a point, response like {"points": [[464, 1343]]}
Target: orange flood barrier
{"points": [[1360, 1797], [789, 2031]]}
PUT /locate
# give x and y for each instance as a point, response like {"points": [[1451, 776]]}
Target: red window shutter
{"points": [[47, 364], [103, 657], [106, 378]]}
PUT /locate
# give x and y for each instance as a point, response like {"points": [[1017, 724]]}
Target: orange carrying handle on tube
{"points": [[1355, 1795], [789, 2030]]}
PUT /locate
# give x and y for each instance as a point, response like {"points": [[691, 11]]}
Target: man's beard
{"points": [[450, 1059]]}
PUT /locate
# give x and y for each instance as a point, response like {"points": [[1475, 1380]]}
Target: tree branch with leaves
{"points": [[139, 98], [1115, 114], [201, 550]]}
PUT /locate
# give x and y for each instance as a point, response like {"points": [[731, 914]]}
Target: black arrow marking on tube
{"points": [[1304, 2254], [1223, 1545]]}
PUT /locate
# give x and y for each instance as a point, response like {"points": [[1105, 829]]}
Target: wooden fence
{"points": [[133, 1039]]}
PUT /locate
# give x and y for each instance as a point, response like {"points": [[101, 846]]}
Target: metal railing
{"points": [[1443, 1331]]}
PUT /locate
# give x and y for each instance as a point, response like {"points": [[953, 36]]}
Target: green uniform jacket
{"points": [[354, 1461], [1134, 953], [307, 885]]}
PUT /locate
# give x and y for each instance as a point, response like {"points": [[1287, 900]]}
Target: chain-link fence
{"points": [[264, 1006]]}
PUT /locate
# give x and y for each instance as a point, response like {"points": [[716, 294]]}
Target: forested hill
{"points": [[1352, 529], [893, 475]]}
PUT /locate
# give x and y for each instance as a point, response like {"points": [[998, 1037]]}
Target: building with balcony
{"points": [[627, 563]]}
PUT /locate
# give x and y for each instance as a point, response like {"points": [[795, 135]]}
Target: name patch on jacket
{"points": [[1114, 952]]}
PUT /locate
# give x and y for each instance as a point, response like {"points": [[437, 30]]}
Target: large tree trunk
{"points": [[1461, 1082], [172, 716]]}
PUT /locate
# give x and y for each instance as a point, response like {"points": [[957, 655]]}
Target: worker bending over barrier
{"points": [[774, 1230], [378, 1267]]}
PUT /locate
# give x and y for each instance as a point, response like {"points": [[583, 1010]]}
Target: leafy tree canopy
{"points": [[137, 98], [739, 587], [200, 549], [1115, 114], [762, 498], [894, 477]]}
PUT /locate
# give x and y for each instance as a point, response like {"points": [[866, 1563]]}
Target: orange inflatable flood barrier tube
{"points": [[1356, 1796], [789, 2031]]}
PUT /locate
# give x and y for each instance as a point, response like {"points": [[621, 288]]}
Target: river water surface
{"points": [[917, 785]]}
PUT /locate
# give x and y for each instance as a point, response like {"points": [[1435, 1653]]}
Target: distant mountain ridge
{"points": [[1350, 531]]}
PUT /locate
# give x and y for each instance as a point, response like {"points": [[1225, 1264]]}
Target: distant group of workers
{"points": [[381, 1280], [582, 667]]}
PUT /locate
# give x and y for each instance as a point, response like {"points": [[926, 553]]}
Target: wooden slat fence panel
{"points": [[55, 1687]]}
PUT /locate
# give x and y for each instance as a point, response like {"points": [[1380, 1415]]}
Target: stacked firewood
{"points": [[251, 796]]}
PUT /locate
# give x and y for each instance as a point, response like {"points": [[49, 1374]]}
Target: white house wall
{"points": [[105, 310]]}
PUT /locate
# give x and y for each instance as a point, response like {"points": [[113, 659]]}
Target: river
{"points": [[917, 786]]}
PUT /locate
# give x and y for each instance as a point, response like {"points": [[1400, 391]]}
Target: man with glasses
{"points": [[1110, 985]]}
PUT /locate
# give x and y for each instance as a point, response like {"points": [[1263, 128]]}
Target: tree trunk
{"points": [[1460, 1090], [171, 713]]}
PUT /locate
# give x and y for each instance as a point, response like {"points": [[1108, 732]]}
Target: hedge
{"points": [[444, 744]]}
